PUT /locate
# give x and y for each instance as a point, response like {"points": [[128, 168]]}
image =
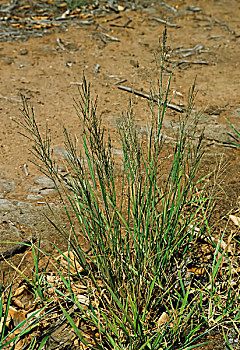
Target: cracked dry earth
{"points": [[203, 43]]}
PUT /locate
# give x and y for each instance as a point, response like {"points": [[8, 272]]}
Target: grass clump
{"points": [[236, 136], [142, 228]]}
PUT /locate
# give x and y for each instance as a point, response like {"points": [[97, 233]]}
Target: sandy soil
{"points": [[46, 70]]}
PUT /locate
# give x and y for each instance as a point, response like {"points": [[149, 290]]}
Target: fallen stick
{"points": [[102, 27], [164, 22], [169, 7], [17, 248], [121, 26], [60, 44], [221, 143], [120, 82], [178, 63], [25, 169], [109, 37], [113, 19], [231, 31], [76, 83], [144, 95], [10, 99], [126, 25]]}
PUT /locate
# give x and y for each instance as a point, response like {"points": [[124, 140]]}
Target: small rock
{"points": [[6, 205], [134, 63], [112, 120], [118, 152], [24, 207], [23, 52], [143, 131], [34, 189], [236, 113], [44, 182], [150, 10], [61, 169], [34, 197], [62, 152], [163, 320], [48, 191], [194, 9], [96, 69], [6, 186], [8, 60], [217, 131]]}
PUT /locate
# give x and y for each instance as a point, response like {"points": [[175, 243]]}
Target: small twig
{"points": [[120, 82], [96, 69], [121, 26], [125, 25], [102, 27], [220, 143], [25, 169], [109, 37], [75, 83], [225, 26], [88, 23], [10, 99], [144, 95], [60, 44], [169, 7], [100, 35], [128, 21], [17, 248], [178, 63], [65, 18], [195, 48], [164, 22], [113, 19], [113, 8]]}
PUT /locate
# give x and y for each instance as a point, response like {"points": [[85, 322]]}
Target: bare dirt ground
{"points": [[47, 71]]}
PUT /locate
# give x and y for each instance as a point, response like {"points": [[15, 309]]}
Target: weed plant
{"points": [[141, 227], [236, 136]]}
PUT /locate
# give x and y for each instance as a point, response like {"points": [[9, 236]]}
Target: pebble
{"points": [[23, 52], [118, 152], [213, 131], [6, 205], [8, 60], [48, 191], [34, 189], [236, 113], [6, 187], [61, 152], [150, 10], [34, 197], [218, 132], [44, 182]]}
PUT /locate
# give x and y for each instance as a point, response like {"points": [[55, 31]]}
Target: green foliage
{"points": [[137, 234], [236, 137], [141, 227]]}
